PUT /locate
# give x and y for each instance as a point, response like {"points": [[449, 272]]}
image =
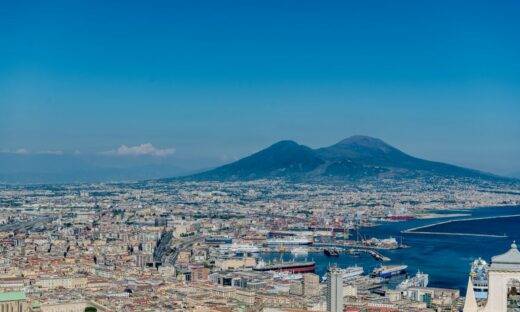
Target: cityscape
{"points": [[259, 156], [201, 246]]}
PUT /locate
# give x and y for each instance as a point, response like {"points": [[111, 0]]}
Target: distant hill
{"points": [[350, 159]]}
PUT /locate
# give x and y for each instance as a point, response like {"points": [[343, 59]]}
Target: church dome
{"points": [[507, 261]]}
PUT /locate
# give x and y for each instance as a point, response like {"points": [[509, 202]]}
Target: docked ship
{"points": [[289, 241], [479, 278], [399, 214], [331, 252], [419, 280], [239, 248], [300, 251], [290, 266], [387, 271], [351, 272]]}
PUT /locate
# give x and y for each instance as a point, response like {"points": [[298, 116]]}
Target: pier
{"points": [[375, 254], [349, 250], [417, 230]]}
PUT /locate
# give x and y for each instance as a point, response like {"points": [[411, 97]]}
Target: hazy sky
{"points": [[221, 79]]}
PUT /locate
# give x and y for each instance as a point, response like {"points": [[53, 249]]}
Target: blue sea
{"points": [[445, 258]]}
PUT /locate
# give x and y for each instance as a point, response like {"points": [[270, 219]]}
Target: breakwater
{"points": [[421, 229]]}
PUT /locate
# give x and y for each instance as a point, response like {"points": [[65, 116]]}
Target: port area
{"points": [[421, 229], [349, 250]]}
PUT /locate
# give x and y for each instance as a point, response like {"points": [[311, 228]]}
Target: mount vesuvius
{"points": [[353, 158]]}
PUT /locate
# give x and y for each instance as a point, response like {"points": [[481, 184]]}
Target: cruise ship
{"points": [[387, 271], [351, 272], [419, 280], [291, 266], [479, 277], [289, 241]]}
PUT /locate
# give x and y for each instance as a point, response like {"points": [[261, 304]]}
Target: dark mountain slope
{"points": [[282, 159], [350, 159], [374, 152]]}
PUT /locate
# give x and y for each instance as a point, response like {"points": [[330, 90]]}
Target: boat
{"points": [[289, 241], [331, 252], [386, 271], [419, 280], [239, 248], [290, 266], [479, 278], [351, 272], [300, 251]]}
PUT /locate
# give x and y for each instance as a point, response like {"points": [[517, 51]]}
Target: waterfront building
{"points": [[503, 285], [334, 290]]}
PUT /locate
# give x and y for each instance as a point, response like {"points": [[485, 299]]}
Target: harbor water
{"points": [[446, 258]]}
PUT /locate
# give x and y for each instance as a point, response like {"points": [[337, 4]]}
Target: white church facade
{"points": [[504, 285]]}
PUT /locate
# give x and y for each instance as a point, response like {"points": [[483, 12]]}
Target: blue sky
{"points": [[216, 80]]}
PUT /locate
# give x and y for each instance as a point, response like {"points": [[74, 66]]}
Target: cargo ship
{"points": [[290, 266], [387, 271]]}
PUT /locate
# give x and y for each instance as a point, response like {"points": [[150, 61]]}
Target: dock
{"points": [[351, 250], [375, 254]]}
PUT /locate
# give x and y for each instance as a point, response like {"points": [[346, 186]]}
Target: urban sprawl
{"points": [[198, 246]]}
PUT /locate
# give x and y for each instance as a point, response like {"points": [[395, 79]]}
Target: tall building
{"points": [[334, 290]]}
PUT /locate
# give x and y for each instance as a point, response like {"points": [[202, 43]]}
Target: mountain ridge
{"points": [[352, 158]]}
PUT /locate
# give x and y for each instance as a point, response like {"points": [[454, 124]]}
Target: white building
{"points": [[504, 285], [61, 282], [334, 290]]}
